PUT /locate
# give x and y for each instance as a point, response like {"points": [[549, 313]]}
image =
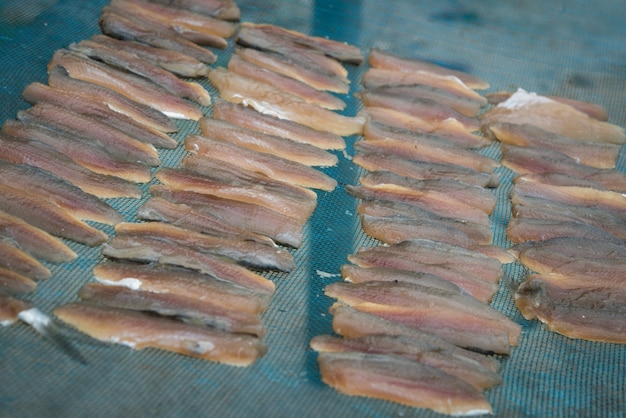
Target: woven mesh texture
{"points": [[573, 48]]}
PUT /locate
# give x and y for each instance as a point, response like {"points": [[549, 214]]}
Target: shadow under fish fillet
{"points": [[141, 330], [268, 144], [151, 250], [86, 154], [59, 78], [270, 125], [355, 274], [287, 84], [129, 85], [278, 168], [266, 99], [375, 161], [596, 315], [398, 379], [185, 216], [121, 27], [183, 282], [189, 309], [59, 192], [128, 62], [553, 116], [14, 283], [386, 60], [252, 217], [221, 9], [527, 229], [531, 160], [39, 93], [14, 259], [247, 253], [175, 62], [594, 154], [416, 349]]}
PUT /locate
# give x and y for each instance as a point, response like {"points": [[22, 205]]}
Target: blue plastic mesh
{"points": [[573, 48]]}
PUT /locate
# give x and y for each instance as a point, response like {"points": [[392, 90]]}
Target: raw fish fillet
{"points": [[352, 323], [141, 330], [576, 312], [14, 259], [268, 144], [553, 116], [59, 78], [129, 62], [129, 85], [398, 379], [196, 219], [13, 283], [266, 99], [449, 129], [176, 62], [386, 60], [248, 253], [255, 218], [416, 349], [375, 161], [189, 309], [339, 50], [183, 282], [287, 84], [132, 29], [528, 229], [87, 154], [221, 9], [10, 308], [149, 250], [270, 125]]}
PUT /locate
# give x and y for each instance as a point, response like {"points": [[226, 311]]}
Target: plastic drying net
{"points": [[575, 49]]}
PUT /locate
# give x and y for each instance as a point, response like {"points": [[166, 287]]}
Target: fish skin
{"points": [[555, 117], [84, 153], [128, 62], [119, 144], [531, 160], [266, 99], [120, 27], [140, 330], [13, 283], [59, 192], [309, 94], [521, 230], [476, 196], [576, 313], [59, 78], [221, 9], [185, 216], [10, 308], [355, 274], [477, 375], [41, 213], [45, 157], [269, 144], [247, 253], [189, 309], [270, 125], [374, 161], [145, 249], [386, 60], [183, 282], [341, 51], [423, 108], [255, 218], [538, 208], [129, 85], [39, 93], [450, 129], [397, 379], [352, 323], [14, 259]]}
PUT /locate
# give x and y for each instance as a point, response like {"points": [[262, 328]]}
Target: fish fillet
{"points": [[14, 259], [10, 308], [528, 229], [220, 9], [13, 283]]}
